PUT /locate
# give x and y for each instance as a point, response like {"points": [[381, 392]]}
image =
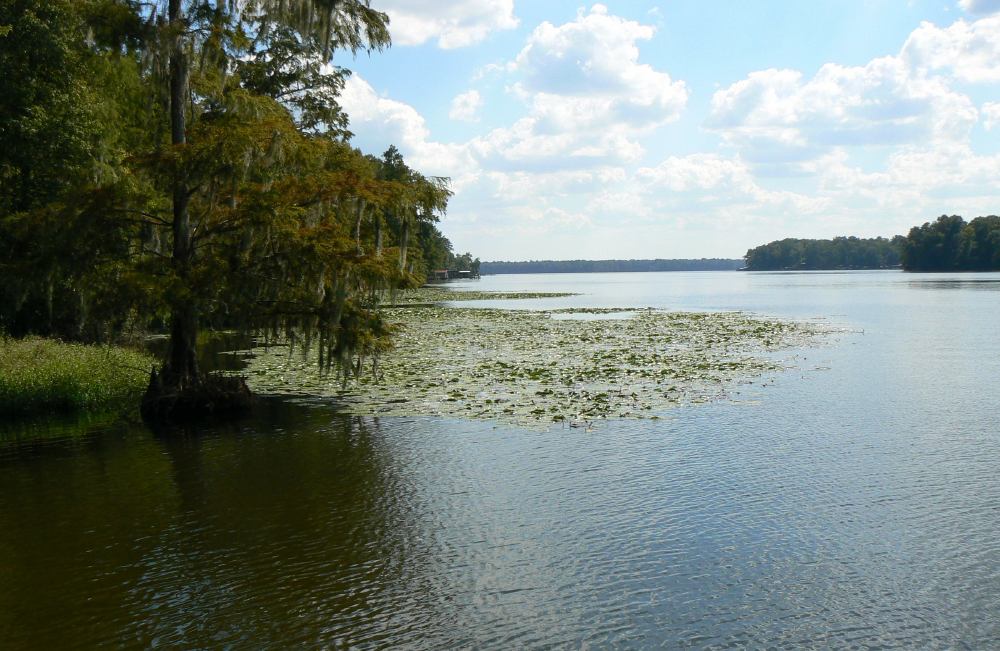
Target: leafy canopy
{"points": [[292, 231]]}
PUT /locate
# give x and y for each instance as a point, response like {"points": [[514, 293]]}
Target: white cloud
{"points": [[968, 51], [365, 108], [955, 169], [591, 114], [915, 181], [455, 23], [980, 6], [381, 122], [991, 115], [589, 70], [491, 69], [716, 179], [875, 148], [782, 117], [529, 145], [778, 116], [465, 107], [587, 94], [696, 172]]}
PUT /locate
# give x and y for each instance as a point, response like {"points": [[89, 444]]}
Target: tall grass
{"points": [[40, 376]]}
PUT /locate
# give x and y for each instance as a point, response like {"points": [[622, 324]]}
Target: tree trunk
{"points": [[404, 239], [181, 368], [177, 392], [362, 204], [378, 234], [81, 317], [49, 303]]}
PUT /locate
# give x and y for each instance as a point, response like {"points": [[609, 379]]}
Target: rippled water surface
{"points": [[853, 501]]}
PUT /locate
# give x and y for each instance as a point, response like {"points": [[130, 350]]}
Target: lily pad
{"points": [[537, 367]]}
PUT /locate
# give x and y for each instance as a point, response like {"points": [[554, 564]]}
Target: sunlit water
{"points": [[853, 501]]}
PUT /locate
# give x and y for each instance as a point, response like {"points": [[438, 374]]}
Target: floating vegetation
{"points": [[538, 367], [591, 314], [431, 294]]}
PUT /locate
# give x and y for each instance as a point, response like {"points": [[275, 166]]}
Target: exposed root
{"points": [[210, 396]]}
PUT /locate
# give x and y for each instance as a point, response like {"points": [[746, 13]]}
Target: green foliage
{"points": [[261, 218], [838, 253], [286, 68], [70, 115], [43, 376], [951, 244], [464, 262], [946, 244], [48, 131]]}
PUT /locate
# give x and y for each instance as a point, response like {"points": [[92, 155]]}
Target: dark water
{"points": [[853, 502]]}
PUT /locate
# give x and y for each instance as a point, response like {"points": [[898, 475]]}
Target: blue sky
{"points": [[685, 128]]}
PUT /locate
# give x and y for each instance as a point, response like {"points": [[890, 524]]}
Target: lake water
{"points": [[852, 501]]}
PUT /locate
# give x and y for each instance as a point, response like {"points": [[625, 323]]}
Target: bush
{"points": [[44, 376]]}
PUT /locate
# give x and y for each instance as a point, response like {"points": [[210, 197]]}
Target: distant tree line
{"points": [[838, 253], [951, 244], [607, 266], [947, 244]]}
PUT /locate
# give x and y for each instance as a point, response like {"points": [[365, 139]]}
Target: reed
{"points": [[39, 376]]}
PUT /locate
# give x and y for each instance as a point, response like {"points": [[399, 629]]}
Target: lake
{"points": [[850, 501]]}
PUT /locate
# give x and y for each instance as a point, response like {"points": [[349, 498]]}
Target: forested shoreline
{"points": [[952, 244], [607, 266], [946, 244], [813, 254]]}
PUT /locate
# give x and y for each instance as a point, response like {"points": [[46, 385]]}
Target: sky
{"points": [[685, 128]]}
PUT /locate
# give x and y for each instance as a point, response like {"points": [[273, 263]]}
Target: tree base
{"points": [[211, 397]]}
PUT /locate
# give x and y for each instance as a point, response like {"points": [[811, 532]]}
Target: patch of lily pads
{"points": [[540, 367], [433, 294]]}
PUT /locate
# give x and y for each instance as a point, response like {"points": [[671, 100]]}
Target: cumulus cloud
{"points": [[380, 122], [465, 107], [991, 115], [968, 51], [696, 172], [588, 100], [980, 6], [778, 115], [781, 117], [588, 96], [589, 70], [718, 179], [454, 24], [915, 181], [573, 167]]}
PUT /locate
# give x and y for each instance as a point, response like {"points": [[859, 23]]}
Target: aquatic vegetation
{"points": [[43, 375], [430, 294], [534, 367]]}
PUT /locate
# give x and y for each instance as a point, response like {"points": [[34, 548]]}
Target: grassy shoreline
{"points": [[44, 376]]}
